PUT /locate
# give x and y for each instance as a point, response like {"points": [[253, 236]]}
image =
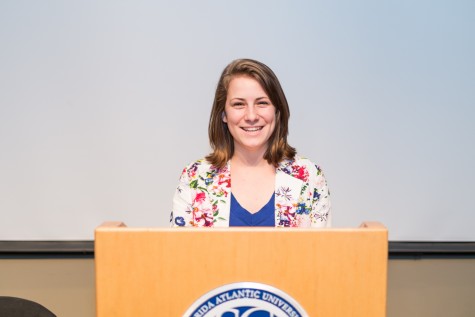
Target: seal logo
{"points": [[245, 299]]}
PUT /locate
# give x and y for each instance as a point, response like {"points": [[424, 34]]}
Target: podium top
{"points": [[113, 225]]}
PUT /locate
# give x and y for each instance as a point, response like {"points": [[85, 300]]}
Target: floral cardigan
{"points": [[203, 195]]}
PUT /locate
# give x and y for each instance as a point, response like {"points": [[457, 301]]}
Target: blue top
{"points": [[240, 217]]}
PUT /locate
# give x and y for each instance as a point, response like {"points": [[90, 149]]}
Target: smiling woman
{"points": [[250, 116], [271, 185]]}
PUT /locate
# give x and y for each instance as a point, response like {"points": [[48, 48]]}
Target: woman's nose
{"points": [[251, 114]]}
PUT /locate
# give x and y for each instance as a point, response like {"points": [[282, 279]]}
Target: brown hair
{"points": [[220, 138]]}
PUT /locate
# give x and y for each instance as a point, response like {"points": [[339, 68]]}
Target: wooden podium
{"points": [[163, 271]]}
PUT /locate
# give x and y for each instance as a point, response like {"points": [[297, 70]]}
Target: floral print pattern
{"points": [[202, 198]]}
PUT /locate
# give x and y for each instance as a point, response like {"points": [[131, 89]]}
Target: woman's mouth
{"points": [[252, 129]]}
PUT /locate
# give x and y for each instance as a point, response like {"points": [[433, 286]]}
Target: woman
{"points": [[271, 185]]}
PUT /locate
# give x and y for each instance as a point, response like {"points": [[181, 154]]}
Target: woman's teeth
{"points": [[252, 129]]}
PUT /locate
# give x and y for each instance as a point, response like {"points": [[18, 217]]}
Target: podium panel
{"points": [[163, 271]]}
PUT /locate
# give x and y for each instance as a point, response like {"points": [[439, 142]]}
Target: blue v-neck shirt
{"points": [[240, 217]]}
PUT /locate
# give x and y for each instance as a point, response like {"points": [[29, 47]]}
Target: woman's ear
{"points": [[223, 116]]}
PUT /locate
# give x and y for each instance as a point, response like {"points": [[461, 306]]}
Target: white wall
{"points": [[103, 103]]}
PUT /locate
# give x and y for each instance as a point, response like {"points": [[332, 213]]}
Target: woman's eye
{"points": [[263, 103], [238, 105]]}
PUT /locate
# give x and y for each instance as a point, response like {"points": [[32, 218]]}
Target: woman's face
{"points": [[249, 114]]}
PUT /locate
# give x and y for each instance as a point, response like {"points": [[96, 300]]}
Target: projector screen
{"points": [[102, 104]]}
